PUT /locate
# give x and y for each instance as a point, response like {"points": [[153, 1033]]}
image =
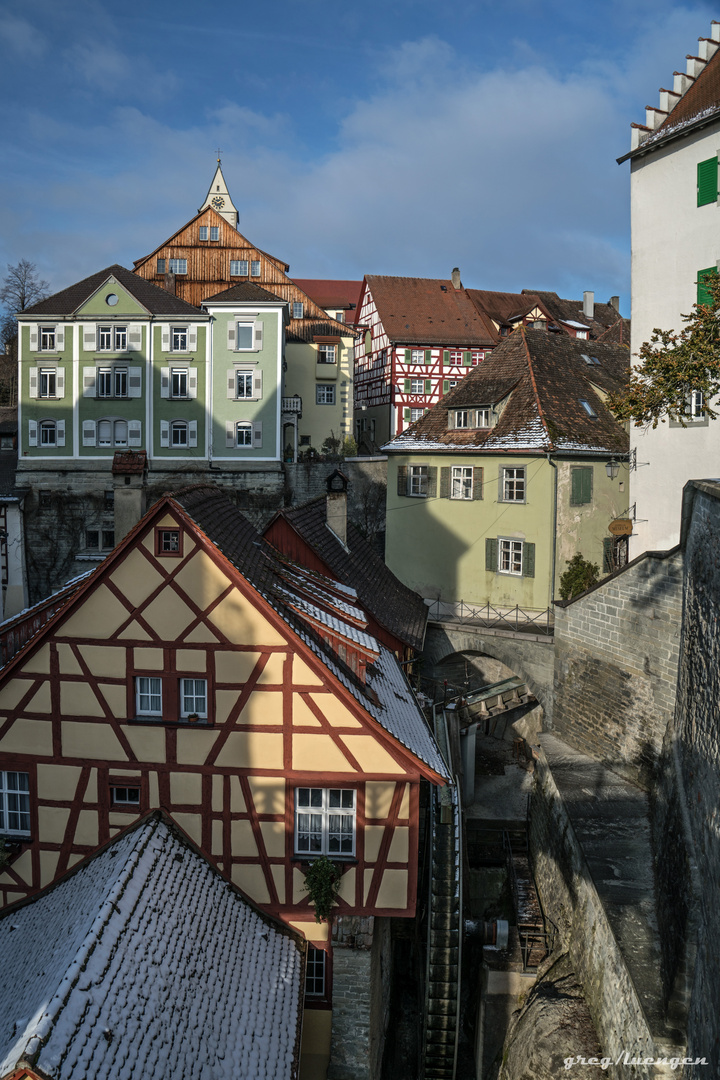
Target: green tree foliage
{"points": [[579, 576], [322, 881], [673, 365]]}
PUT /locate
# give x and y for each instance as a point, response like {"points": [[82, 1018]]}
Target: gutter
{"points": [[647, 147], [554, 529]]}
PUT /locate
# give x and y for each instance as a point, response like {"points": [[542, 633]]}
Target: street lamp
{"points": [[612, 468]]}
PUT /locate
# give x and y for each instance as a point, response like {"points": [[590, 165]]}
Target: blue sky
{"points": [[402, 137]]}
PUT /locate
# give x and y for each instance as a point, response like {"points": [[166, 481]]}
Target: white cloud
{"points": [[20, 36]]}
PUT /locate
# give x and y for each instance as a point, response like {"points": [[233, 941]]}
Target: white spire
{"points": [[218, 197]]}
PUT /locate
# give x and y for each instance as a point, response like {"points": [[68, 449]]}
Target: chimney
{"points": [[589, 305], [336, 505], [615, 303], [457, 283], [169, 283]]}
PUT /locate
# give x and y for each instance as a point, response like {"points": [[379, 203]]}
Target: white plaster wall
{"points": [[672, 238]]}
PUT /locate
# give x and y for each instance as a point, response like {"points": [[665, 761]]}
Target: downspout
{"points": [[554, 531]]}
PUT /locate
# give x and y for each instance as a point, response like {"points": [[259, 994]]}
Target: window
{"points": [[108, 539], [48, 433], [120, 433], [178, 266], [203, 232], [167, 542], [416, 414], [47, 385], [238, 268], [581, 485], [510, 557], [47, 338], [160, 266], [243, 433], [193, 698], [588, 408], [417, 356], [418, 480], [214, 232], [244, 333], [92, 539], [120, 382], [110, 433], [112, 382], [324, 821], [148, 696], [243, 384], [461, 482], [477, 357], [125, 797], [104, 382], [340, 316], [325, 394], [178, 383], [456, 356], [298, 309], [255, 268], [417, 386], [179, 338], [112, 338], [315, 972], [326, 354], [513, 485], [484, 418], [15, 803], [178, 433], [462, 418], [109, 500], [695, 408], [707, 181]]}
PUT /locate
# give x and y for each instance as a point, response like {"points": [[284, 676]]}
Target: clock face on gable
{"points": [[218, 202]]}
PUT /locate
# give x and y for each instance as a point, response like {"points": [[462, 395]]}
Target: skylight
{"points": [[588, 409], [590, 359]]}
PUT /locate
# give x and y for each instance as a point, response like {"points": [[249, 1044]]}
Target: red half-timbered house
{"points": [[199, 672]]}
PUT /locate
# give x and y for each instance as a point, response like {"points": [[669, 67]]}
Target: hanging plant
{"points": [[322, 882]]}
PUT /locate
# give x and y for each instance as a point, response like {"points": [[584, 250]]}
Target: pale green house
{"points": [[516, 470]]}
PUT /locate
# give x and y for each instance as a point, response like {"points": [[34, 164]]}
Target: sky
{"points": [[403, 137]]}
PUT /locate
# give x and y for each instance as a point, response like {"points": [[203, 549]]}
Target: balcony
{"points": [[292, 405]]}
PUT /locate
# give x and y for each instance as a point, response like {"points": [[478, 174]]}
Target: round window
{"points": [[111, 299]]}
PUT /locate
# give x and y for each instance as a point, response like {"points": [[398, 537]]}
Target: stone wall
{"points": [[616, 662], [360, 997], [367, 486]]}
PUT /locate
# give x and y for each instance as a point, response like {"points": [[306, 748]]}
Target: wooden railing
{"points": [[459, 611]]}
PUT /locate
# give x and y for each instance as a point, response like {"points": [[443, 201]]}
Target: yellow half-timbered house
{"points": [[199, 672]]}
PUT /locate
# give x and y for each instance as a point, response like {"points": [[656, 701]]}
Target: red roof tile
{"points": [[428, 311]]}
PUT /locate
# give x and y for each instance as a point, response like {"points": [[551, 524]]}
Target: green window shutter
{"points": [[446, 357], [406, 415], [704, 296], [428, 356], [402, 480], [432, 482], [477, 482], [445, 483], [581, 486], [407, 356], [446, 385], [428, 386], [608, 561], [491, 562], [528, 560], [707, 181], [587, 484], [467, 359], [407, 386]]}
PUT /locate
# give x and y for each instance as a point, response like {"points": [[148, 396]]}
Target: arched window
{"points": [[244, 434], [48, 433], [104, 433], [121, 433], [178, 433]]}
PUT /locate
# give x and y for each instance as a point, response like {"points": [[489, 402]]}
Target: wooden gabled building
{"points": [[196, 672], [208, 255]]}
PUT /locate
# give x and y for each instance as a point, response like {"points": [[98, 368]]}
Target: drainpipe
{"points": [[554, 531]]}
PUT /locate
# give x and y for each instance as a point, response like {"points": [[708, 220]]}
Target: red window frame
{"points": [[160, 530]]}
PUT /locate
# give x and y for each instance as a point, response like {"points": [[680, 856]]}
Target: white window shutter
{"points": [[89, 382], [32, 433], [165, 339], [229, 432], [192, 338], [33, 382], [164, 433], [60, 429], [135, 337], [135, 382], [258, 336], [231, 384], [60, 383], [88, 432], [192, 382], [59, 338], [165, 382], [231, 336], [257, 434], [135, 433], [257, 384], [89, 339], [192, 433], [33, 337]]}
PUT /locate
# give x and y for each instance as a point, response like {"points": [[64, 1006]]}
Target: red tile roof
{"points": [[341, 295], [704, 94], [428, 311]]}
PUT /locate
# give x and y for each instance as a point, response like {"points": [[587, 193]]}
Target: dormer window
{"points": [[481, 417], [462, 418]]}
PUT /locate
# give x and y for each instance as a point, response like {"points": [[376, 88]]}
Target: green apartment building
{"points": [[516, 470]]}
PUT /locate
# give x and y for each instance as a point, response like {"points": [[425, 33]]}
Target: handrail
{"points": [[516, 618]]}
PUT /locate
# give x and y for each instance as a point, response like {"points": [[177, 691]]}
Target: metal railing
{"points": [[538, 622]]}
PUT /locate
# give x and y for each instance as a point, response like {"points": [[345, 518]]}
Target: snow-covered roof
{"points": [[145, 962]]}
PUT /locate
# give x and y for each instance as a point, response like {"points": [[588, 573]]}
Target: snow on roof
{"points": [[145, 962], [338, 626], [571, 322]]}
